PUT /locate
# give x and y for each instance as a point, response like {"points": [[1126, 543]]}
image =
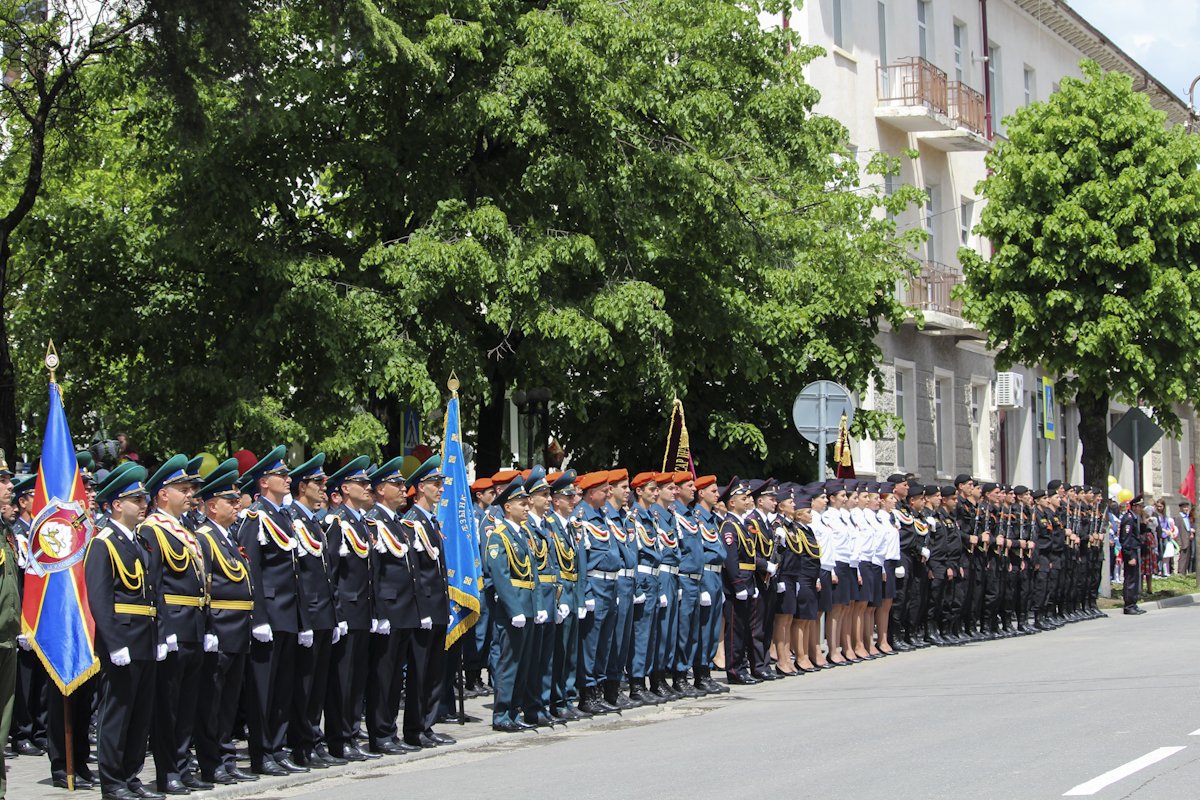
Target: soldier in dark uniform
{"points": [[535, 698], [615, 512], [350, 547], [945, 552], [990, 538], [270, 544], [29, 710], [399, 613], [429, 569], [177, 569], [710, 602], [759, 525], [568, 556], [122, 598], [226, 630], [1130, 532], [318, 614], [643, 532], [740, 568], [603, 560]]}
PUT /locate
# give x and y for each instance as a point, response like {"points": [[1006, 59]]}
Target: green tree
{"points": [[1093, 211]]}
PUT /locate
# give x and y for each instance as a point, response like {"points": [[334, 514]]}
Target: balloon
{"points": [[1114, 490], [1111, 480], [1125, 495], [208, 462], [245, 460], [409, 465], [422, 453]]}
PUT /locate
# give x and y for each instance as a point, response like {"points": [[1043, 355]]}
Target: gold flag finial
{"points": [[453, 384], [51, 359]]}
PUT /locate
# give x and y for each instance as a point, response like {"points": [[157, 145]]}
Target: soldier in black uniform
{"points": [[177, 570], [123, 598], [29, 708], [318, 614], [945, 554], [1131, 536], [226, 630], [740, 567], [350, 547], [991, 538], [269, 541], [966, 518], [398, 615]]}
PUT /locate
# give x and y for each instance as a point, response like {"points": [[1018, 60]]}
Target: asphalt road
{"points": [[1032, 717]]}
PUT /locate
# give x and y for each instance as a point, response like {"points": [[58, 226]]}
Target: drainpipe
{"points": [[987, 74]]}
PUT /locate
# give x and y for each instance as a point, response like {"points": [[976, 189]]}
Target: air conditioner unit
{"points": [[1010, 390]]}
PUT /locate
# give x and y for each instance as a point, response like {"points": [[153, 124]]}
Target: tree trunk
{"points": [[1093, 435], [8, 373], [488, 456]]}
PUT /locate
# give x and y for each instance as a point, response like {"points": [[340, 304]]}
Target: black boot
{"points": [[684, 688], [638, 693]]}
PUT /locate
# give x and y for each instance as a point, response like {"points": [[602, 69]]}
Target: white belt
{"points": [[625, 573], [693, 575], [598, 573], [646, 569], [668, 569], [712, 567]]}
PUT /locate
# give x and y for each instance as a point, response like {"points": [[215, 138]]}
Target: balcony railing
{"points": [[912, 82], [929, 289], [966, 107]]}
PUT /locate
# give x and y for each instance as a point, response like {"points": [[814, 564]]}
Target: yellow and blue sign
{"points": [[1049, 420]]}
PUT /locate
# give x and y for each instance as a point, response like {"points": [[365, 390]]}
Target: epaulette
{"points": [[204, 529], [104, 534], [251, 513], [331, 518]]}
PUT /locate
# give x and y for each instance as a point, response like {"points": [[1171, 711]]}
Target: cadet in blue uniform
{"points": [[568, 555], [603, 561], [226, 631], [643, 531], [615, 513], [350, 546], [667, 595], [547, 611], [710, 601], [477, 643], [510, 567], [318, 615], [691, 560], [123, 601]]}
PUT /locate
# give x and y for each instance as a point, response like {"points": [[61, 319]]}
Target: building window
{"points": [[997, 104], [943, 423], [923, 40], [931, 223], [981, 431], [960, 44], [1030, 85], [966, 220], [839, 24], [906, 444]]}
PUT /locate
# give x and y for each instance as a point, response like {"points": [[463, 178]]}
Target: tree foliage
{"points": [[1093, 211]]}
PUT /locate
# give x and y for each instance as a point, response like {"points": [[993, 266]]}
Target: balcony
{"points": [[929, 291], [915, 96]]}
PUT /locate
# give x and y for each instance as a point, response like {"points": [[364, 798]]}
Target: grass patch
{"points": [[1163, 588]]}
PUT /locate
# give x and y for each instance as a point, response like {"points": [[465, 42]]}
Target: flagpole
{"points": [[460, 678]]}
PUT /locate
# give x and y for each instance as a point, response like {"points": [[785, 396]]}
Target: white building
{"points": [[939, 77]]}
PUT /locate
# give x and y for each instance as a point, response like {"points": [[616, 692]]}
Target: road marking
{"points": [[1123, 771], [1195, 733]]}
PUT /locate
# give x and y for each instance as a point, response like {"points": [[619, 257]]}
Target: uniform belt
{"points": [[231, 605], [625, 573], [693, 575], [743, 565], [183, 600], [669, 569], [570, 576], [522, 584], [547, 579], [135, 608], [646, 569], [599, 573], [712, 567]]}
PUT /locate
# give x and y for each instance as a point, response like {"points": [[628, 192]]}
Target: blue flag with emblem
{"points": [[457, 519], [55, 616]]}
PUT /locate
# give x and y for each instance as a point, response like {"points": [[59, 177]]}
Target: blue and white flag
{"points": [[457, 518]]}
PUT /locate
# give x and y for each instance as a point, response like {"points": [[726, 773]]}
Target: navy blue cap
{"points": [[536, 480], [565, 483], [759, 488], [431, 470], [734, 487], [514, 491], [833, 487]]}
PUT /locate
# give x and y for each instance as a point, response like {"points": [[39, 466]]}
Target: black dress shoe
{"points": [[173, 786], [290, 766], [146, 794], [441, 738], [328, 758], [193, 782], [762, 675], [269, 767], [389, 749], [27, 748], [222, 778], [119, 794], [241, 775], [356, 753], [508, 726], [739, 679], [80, 782]]}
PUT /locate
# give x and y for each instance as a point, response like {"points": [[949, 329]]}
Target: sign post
{"points": [[817, 413]]}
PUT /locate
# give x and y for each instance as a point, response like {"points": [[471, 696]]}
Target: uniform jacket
{"points": [[509, 564], [178, 569], [392, 573], [117, 571], [231, 600], [266, 536], [350, 546], [314, 570], [429, 563]]}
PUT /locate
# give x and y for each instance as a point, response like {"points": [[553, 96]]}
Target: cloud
{"points": [[1163, 41]]}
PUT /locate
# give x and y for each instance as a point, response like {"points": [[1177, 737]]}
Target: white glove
{"points": [[120, 658], [450, 621], [772, 568], [518, 621], [756, 592], [172, 643], [337, 633], [385, 627], [343, 627], [925, 552], [581, 613], [705, 599], [305, 638], [781, 535], [742, 595], [210, 643], [427, 624], [541, 616], [780, 587], [161, 653], [23, 642], [374, 625], [638, 599], [589, 604], [679, 594], [262, 633], [662, 601], [899, 572], [564, 611]]}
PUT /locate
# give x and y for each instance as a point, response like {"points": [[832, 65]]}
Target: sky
{"points": [[1161, 35]]}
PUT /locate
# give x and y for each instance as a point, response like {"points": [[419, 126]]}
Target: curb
{"points": [[1180, 600]]}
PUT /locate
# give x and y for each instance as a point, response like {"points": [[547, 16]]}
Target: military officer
{"points": [[429, 570], [510, 567], [643, 531], [1131, 536], [691, 561], [269, 541], [568, 555], [319, 621], [759, 521], [740, 568], [710, 600], [350, 544], [667, 594], [226, 630], [29, 709], [603, 560], [615, 512], [123, 600], [547, 612]]}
